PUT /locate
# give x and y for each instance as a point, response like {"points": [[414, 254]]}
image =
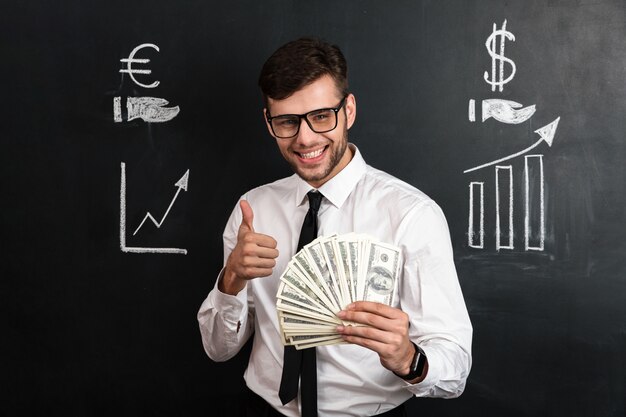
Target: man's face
{"points": [[316, 157]]}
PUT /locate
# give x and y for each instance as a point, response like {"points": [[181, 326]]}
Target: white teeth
{"points": [[312, 154]]}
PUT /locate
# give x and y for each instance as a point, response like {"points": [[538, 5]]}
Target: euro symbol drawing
{"points": [[131, 60], [492, 40]]}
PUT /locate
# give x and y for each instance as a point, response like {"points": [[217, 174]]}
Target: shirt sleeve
{"points": [[431, 295], [226, 321]]}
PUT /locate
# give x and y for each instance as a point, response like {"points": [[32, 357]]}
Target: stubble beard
{"points": [[335, 158]]}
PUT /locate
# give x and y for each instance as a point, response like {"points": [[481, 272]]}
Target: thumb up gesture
{"points": [[254, 255]]}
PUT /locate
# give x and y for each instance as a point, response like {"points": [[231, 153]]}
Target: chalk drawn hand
{"points": [[505, 111], [254, 255], [150, 109]]}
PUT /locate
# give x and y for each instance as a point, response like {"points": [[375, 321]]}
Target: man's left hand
{"points": [[386, 332]]}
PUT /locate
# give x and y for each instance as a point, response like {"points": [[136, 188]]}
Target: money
{"points": [[327, 275]]}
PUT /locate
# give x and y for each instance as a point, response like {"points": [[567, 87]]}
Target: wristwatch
{"points": [[417, 365]]}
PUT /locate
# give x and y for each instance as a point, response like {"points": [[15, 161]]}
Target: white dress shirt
{"points": [[351, 380]]}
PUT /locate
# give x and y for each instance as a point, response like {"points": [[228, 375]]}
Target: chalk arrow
{"points": [[150, 109], [546, 134], [548, 131], [505, 111], [182, 184]]}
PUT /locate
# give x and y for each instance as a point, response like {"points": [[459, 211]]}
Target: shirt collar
{"points": [[337, 189]]}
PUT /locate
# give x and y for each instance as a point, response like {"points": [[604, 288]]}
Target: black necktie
{"points": [[302, 363]]}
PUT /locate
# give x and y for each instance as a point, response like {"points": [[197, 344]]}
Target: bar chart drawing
{"points": [[534, 199]]}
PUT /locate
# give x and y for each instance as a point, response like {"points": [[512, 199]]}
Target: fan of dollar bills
{"points": [[327, 275]]}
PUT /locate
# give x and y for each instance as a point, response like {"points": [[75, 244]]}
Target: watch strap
{"points": [[417, 365]]}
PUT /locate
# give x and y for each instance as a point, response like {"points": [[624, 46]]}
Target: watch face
{"points": [[416, 361]]}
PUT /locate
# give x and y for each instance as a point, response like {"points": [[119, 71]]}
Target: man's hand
{"points": [[386, 333], [253, 256]]}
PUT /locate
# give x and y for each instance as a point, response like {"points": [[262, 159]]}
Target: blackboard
{"points": [[89, 329]]}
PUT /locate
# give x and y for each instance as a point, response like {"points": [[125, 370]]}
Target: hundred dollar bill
{"points": [[381, 272], [353, 249], [334, 341], [310, 332], [363, 244], [319, 331], [314, 252], [286, 292], [348, 262], [309, 329], [290, 317], [290, 307], [306, 268], [333, 260], [300, 339], [290, 326], [293, 322], [299, 283]]}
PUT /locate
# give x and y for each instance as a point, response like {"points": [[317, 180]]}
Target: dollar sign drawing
{"points": [[491, 48]]}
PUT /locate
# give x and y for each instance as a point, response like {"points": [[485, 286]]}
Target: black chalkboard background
{"points": [[88, 330]]}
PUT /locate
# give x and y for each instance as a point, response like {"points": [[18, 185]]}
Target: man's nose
{"points": [[305, 135]]}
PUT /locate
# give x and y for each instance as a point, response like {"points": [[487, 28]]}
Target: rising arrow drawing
{"points": [[545, 133], [182, 184]]}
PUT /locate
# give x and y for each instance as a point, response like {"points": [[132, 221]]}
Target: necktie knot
{"points": [[315, 199]]}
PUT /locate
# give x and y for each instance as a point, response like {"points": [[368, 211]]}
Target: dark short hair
{"points": [[299, 63]]}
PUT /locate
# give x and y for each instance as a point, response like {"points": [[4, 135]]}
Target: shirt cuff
{"points": [[426, 386], [231, 307]]}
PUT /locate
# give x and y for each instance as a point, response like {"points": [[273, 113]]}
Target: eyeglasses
{"points": [[287, 126]]}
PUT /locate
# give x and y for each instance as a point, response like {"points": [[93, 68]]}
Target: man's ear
{"points": [[350, 110], [267, 124]]}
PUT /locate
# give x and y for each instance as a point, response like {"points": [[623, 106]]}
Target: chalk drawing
{"points": [[471, 233], [504, 111], [546, 134], [542, 219], [181, 184], [508, 112], [117, 109], [150, 109], [491, 45], [471, 110], [131, 60], [509, 225]]}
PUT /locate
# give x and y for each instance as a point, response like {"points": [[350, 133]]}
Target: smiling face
{"points": [[316, 157]]}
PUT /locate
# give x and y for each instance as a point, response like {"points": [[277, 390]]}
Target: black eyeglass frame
{"points": [[304, 116]]}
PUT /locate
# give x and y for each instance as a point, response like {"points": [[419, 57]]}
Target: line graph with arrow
{"points": [[546, 134], [181, 184]]}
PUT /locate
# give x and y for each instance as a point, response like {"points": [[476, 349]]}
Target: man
{"points": [[421, 345]]}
